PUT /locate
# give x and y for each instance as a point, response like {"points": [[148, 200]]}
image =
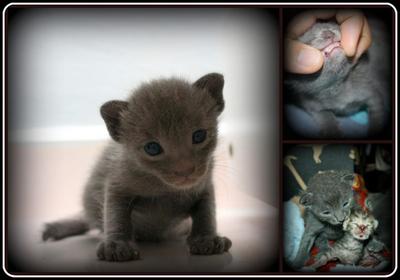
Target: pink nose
{"points": [[184, 172], [362, 227]]}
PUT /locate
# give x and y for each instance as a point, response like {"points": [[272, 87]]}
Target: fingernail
{"points": [[308, 57]]}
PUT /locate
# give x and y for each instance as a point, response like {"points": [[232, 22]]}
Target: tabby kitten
{"points": [[358, 228]]}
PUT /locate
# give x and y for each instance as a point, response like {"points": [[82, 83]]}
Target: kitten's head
{"points": [[329, 196], [324, 36], [169, 127], [360, 224]]}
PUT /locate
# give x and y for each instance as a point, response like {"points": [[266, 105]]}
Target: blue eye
{"points": [[199, 136], [345, 204], [153, 148]]}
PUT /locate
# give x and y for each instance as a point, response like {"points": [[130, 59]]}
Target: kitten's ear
{"points": [[375, 224], [348, 179], [368, 204], [213, 83], [111, 113], [306, 199]]}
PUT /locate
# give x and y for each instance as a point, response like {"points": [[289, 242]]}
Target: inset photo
{"points": [[337, 208], [338, 73]]}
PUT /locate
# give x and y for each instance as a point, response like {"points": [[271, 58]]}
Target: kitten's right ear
{"points": [[306, 199], [111, 113], [213, 83], [348, 179]]}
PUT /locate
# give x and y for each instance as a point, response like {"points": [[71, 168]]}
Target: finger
{"points": [[301, 58], [351, 24], [365, 40], [302, 22]]}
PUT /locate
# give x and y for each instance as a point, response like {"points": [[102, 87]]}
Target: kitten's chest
{"points": [[164, 207]]}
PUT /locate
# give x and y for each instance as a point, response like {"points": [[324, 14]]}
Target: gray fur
{"points": [[133, 196], [343, 87], [326, 191]]}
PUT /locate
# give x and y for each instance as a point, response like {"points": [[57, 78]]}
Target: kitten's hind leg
{"points": [[64, 228]]}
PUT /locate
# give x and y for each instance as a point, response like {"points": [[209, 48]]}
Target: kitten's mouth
{"points": [[362, 236], [328, 50], [182, 182], [185, 182]]}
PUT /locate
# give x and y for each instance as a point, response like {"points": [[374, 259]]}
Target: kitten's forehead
{"points": [[361, 216], [170, 107]]}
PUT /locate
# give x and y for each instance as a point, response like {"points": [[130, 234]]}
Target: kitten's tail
{"points": [[67, 227]]}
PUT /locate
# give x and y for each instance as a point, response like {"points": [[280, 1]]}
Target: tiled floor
{"points": [[45, 182]]}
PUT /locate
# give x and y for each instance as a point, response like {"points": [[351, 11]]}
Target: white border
{"points": [[208, 4]]}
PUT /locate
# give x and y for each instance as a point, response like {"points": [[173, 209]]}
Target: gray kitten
{"points": [[344, 87], [328, 202], [157, 172], [358, 228]]}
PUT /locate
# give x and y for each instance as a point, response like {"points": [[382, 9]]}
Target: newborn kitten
{"points": [[157, 172], [344, 87], [328, 202], [358, 227]]}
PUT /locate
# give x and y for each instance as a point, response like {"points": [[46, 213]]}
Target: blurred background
{"points": [[64, 63]]}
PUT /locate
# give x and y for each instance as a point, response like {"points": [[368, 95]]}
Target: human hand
{"points": [[304, 59]]}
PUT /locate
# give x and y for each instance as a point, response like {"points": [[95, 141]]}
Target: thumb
{"points": [[301, 58]]}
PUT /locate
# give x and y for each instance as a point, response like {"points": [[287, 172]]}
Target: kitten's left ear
{"points": [[213, 83]]}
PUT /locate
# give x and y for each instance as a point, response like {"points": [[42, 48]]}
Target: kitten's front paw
{"points": [[208, 245], [117, 251]]}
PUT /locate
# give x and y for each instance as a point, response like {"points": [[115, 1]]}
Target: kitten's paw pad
{"points": [[117, 251], [209, 245]]}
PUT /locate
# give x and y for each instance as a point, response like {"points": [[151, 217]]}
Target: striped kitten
{"points": [[358, 227]]}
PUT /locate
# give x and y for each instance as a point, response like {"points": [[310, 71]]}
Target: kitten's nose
{"points": [[362, 227], [327, 34], [184, 172]]}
